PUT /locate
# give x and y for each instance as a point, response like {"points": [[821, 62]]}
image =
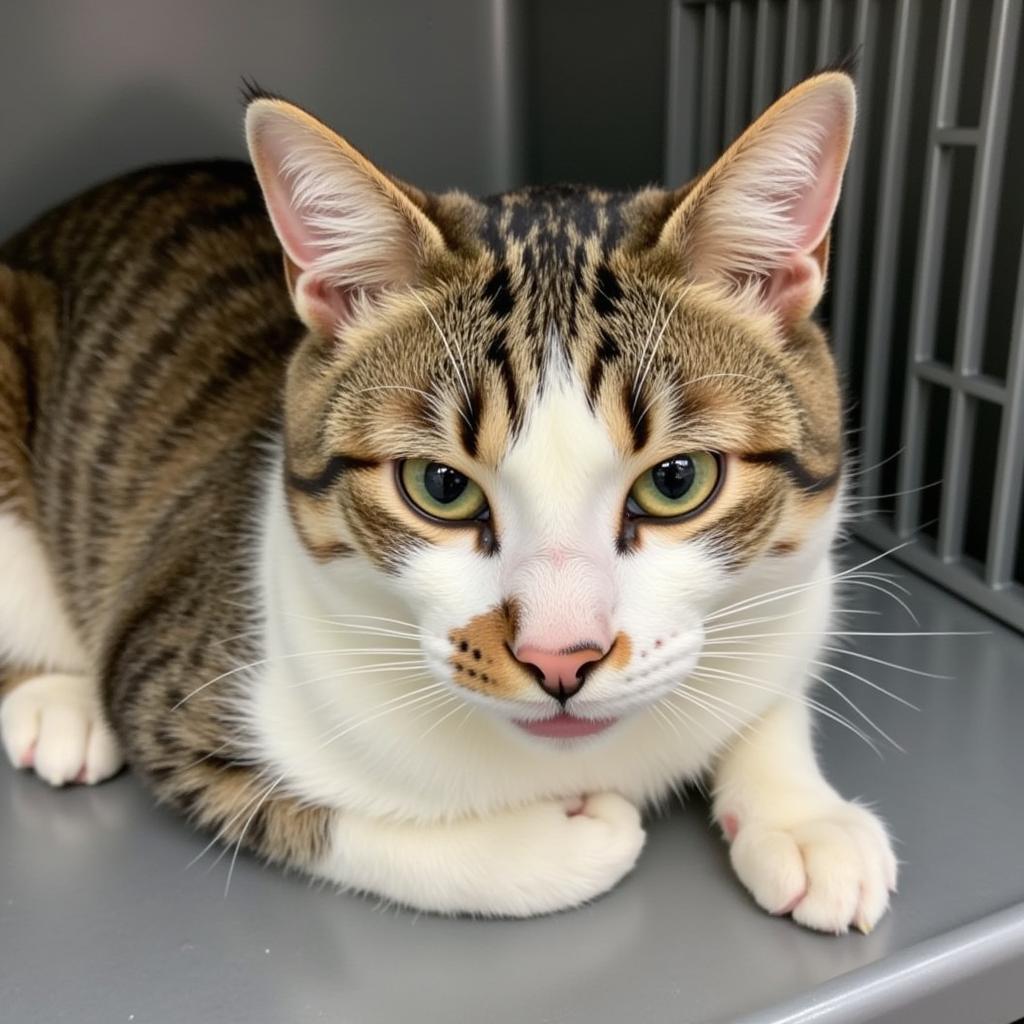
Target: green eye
{"points": [[675, 487], [441, 492]]}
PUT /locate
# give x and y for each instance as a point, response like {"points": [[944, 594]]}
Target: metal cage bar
{"points": [[737, 60], [977, 385], [825, 50], [710, 129], [684, 81], [926, 283], [764, 36], [1006, 503], [791, 53], [995, 116], [887, 239], [844, 283]]}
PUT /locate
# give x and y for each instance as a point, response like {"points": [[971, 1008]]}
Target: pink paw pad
{"points": [[28, 759], [730, 826]]}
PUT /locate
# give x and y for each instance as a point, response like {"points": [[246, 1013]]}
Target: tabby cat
{"points": [[429, 589]]}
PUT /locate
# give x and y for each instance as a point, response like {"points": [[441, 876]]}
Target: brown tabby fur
{"points": [[146, 335]]}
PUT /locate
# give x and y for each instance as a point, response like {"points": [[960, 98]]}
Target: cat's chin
{"points": [[566, 727]]}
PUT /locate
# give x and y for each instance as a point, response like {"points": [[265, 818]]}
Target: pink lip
{"points": [[566, 727]]}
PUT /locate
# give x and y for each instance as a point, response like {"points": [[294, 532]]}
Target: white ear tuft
{"points": [[760, 217], [348, 231]]}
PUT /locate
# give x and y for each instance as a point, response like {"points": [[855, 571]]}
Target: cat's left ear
{"points": [[349, 231], [759, 219]]}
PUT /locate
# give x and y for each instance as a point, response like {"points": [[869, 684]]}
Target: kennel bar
{"points": [[895, 242], [1006, 508], [892, 185], [929, 268], [791, 60], [764, 34], [735, 94], [850, 217], [826, 30], [977, 270]]}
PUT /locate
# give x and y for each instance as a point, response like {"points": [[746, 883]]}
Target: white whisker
{"points": [[647, 342], [362, 670], [697, 695], [638, 387], [241, 835], [860, 471], [443, 718], [299, 654], [793, 589], [375, 618], [657, 711], [800, 698], [460, 375], [785, 615], [888, 664], [847, 632], [754, 655]]}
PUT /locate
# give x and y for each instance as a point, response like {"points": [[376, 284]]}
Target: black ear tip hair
{"points": [[848, 64], [251, 91]]}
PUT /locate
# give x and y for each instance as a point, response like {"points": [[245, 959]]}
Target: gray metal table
{"points": [[101, 920]]}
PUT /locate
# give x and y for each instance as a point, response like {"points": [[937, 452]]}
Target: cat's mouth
{"points": [[566, 727]]}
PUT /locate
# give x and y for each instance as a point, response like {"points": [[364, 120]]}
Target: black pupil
{"points": [[443, 483], [674, 477]]}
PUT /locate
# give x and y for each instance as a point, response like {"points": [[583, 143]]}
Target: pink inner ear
{"points": [[795, 288], [298, 237], [320, 305], [812, 211]]}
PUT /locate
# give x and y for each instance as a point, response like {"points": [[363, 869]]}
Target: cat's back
{"points": [[162, 211], [158, 326]]}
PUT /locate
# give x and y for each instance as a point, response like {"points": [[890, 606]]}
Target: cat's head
{"points": [[567, 424]]}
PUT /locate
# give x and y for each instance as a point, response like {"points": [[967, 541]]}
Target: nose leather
{"points": [[560, 673]]}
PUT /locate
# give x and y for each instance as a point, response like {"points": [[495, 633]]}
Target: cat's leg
{"points": [[51, 718], [50, 715], [795, 843], [34, 627], [537, 859]]}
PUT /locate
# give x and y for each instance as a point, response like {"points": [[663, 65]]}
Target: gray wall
{"points": [[89, 88], [478, 94]]}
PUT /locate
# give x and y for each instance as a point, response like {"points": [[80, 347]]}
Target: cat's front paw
{"points": [[831, 870], [54, 724], [570, 852]]}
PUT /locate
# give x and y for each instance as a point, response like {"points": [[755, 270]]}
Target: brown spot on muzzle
{"points": [[619, 653], [481, 657]]}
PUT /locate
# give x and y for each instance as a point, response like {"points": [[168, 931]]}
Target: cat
{"points": [[418, 542]]}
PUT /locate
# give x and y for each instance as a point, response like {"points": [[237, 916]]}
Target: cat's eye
{"points": [[677, 487], [440, 491]]}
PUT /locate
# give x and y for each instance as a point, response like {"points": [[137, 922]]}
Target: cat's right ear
{"points": [[349, 232], [759, 220]]}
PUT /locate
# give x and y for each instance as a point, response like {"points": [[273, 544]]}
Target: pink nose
{"points": [[561, 673]]}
